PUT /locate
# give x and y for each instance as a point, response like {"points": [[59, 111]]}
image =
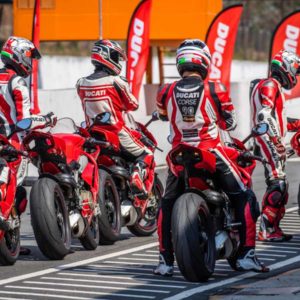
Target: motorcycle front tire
{"points": [[193, 237], [10, 248]]}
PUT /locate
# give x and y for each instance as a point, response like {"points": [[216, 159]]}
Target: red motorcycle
{"points": [[11, 210], [64, 201], [119, 205], [203, 225], [295, 144]]}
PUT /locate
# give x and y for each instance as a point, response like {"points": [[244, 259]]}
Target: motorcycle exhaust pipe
{"points": [[128, 212], [77, 224]]}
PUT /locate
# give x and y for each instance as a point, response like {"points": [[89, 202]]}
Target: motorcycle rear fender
{"points": [[61, 179]]}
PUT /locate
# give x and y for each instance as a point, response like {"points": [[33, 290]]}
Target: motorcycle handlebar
{"points": [[98, 143]]}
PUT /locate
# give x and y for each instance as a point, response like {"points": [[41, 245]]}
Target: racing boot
{"points": [[248, 261], [163, 269], [278, 230], [137, 182], [269, 232]]}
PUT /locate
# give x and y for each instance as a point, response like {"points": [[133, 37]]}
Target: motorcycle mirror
{"points": [[24, 124], [103, 118], [260, 129], [169, 139], [83, 124]]}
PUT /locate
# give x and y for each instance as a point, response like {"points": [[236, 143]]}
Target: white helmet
{"points": [[18, 54]]}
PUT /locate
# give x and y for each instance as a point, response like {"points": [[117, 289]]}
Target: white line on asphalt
{"points": [[277, 247], [114, 282], [188, 293], [46, 296], [137, 259], [98, 287], [267, 254], [275, 251], [145, 255], [75, 291], [135, 273], [76, 264], [130, 263], [131, 273], [269, 259], [153, 251], [9, 298]]}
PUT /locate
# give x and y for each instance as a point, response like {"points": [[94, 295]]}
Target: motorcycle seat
{"points": [[214, 197]]}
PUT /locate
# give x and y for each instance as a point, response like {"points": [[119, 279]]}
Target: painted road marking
{"points": [[75, 264], [77, 291]]}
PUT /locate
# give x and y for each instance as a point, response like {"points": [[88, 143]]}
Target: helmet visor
{"points": [[35, 54]]}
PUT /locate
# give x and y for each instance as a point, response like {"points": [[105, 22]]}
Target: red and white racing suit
{"points": [[268, 106], [196, 110], [101, 92], [15, 105]]}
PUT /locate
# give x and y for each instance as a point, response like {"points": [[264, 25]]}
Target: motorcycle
{"points": [[119, 204], [64, 201], [203, 225], [11, 210], [295, 144]]}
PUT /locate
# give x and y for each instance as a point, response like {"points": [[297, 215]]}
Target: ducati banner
{"points": [[36, 41], [287, 37], [220, 39], [138, 44]]}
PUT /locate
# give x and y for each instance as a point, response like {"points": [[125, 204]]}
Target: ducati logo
{"points": [[136, 44], [218, 51], [292, 36]]}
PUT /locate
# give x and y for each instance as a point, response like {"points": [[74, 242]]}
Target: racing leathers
{"points": [[268, 106], [101, 92], [196, 110], [14, 106]]}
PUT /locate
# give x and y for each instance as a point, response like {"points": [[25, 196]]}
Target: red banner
{"points": [[138, 45], [220, 39], [36, 41], [287, 36]]}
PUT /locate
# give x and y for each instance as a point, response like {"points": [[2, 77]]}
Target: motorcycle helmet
{"points": [[285, 66], [18, 53], [193, 55], [108, 54]]}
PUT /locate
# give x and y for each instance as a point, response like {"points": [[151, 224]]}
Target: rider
{"points": [[196, 109], [16, 55], [106, 91], [267, 104]]}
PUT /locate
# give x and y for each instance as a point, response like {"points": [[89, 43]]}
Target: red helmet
{"points": [[285, 66], [18, 54], [193, 55], [295, 142], [108, 54]]}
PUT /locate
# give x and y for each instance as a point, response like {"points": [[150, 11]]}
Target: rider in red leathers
{"points": [[106, 91], [268, 106], [16, 55], [196, 109]]}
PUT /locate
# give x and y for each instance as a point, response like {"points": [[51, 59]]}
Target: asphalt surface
{"points": [[124, 270]]}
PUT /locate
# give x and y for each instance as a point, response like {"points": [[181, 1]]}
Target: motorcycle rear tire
{"points": [[50, 219], [109, 220], [9, 256], [149, 228], [193, 237]]}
